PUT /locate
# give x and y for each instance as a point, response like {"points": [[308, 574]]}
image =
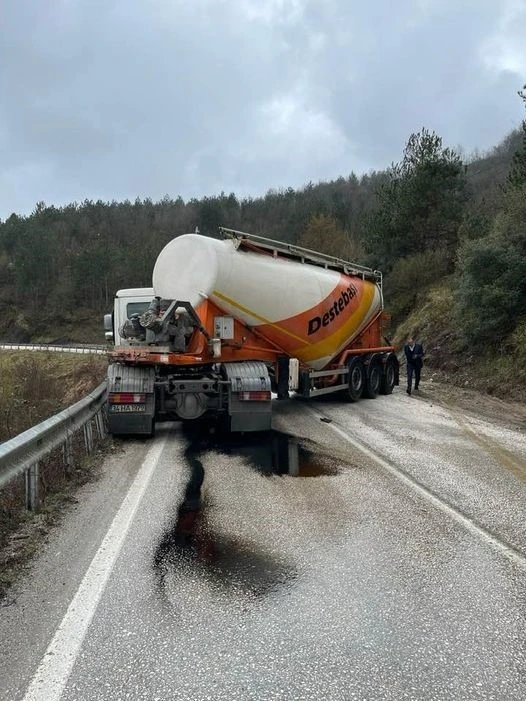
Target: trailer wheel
{"points": [[373, 379], [356, 380], [388, 376]]}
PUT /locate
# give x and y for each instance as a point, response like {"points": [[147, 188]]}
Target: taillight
{"points": [[261, 396], [126, 398]]}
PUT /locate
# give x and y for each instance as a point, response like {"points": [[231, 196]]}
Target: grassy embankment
{"points": [[500, 372], [33, 387]]}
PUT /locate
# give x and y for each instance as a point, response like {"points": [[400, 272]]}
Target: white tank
{"points": [[309, 311]]}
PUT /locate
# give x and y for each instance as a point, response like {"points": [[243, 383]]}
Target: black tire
{"points": [[373, 379], [356, 380], [388, 376]]}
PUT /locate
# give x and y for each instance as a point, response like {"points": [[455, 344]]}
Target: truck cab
{"points": [[134, 300]]}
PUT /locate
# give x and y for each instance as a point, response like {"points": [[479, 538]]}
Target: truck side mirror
{"points": [[108, 328]]}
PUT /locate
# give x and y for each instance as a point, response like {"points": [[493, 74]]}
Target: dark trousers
{"points": [[410, 370]]}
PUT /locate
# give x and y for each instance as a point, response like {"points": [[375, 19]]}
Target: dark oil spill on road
{"points": [[274, 453], [230, 563]]}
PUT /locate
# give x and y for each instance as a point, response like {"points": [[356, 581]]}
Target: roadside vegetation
{"points": [[33, 387]]}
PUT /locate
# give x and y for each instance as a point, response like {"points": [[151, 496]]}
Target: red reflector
{"points": [[261, 396], [126, 398]]}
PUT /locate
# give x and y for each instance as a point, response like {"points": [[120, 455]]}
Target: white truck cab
{"points": [[134, 300]]}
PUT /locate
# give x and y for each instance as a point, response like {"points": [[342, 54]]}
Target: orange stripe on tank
{"points": [[326, 326], [322, 330], [331, 342]]}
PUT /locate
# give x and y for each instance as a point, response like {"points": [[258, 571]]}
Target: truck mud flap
{"points": [[249, 397], [131, 400]]}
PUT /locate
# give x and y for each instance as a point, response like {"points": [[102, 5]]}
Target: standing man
{"points": [[414, 354]]}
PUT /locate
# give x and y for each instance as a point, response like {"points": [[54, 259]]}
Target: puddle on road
{"points": [[270, 452], [228, 563], [275, 453]]}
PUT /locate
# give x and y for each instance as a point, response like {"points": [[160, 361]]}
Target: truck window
{"points": [[136, 308]]}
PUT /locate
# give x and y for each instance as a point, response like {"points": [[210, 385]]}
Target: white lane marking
{"points": [[53, 672], [481, 532]]}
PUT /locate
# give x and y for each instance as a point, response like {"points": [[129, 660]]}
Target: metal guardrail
{"points": [[22, 453], [97, 349]]}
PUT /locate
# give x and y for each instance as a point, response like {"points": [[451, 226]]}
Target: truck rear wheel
{"points": [[356, 380], [388, 376], [373, 379]]}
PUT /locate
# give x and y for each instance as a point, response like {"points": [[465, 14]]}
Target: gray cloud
{"points": [[123, 98]]}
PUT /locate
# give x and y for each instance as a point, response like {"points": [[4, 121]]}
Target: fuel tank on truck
{"points": [[309, 311]]}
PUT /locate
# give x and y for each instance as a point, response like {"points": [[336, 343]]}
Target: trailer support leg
{"points": [[283, 377]]}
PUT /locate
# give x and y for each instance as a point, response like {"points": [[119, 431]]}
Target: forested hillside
{"points": [[450, 237]]}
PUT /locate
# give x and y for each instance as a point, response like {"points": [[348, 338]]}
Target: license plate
{"points": [[127, 408]]}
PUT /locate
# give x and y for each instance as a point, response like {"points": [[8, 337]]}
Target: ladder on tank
{"points": [[305, 255]]}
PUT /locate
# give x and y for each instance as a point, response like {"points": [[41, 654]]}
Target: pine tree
{"points": [[517, 174]]}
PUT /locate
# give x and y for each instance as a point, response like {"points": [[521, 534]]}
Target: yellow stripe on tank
{"points": [[243, 309], [339, 338]]}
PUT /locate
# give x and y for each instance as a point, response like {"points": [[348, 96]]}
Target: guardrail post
{"points": [[88, 436], [99, 422], [67, 451], [32, 496]]}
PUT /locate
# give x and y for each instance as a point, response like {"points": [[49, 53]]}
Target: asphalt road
{"points": [[380, 553]]}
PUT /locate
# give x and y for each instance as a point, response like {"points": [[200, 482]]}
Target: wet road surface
{"points": [[378, 553]]}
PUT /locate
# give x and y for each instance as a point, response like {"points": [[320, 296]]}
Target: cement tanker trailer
{"points": [[236, 319]]}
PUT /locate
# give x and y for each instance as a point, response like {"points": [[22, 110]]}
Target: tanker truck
{"points": [[231, 321]]}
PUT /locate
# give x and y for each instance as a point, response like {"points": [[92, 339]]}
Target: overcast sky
{"points": [[115, 99]]}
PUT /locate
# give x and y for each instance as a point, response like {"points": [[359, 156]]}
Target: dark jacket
{"points": [[414, 357]]}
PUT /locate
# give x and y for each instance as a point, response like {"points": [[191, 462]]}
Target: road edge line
{"points": [[480, 531], [52, 674]]}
